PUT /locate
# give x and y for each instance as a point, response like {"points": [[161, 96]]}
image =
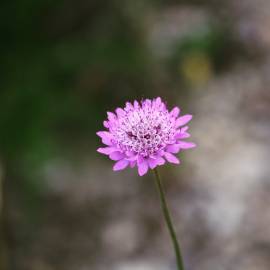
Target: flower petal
{"points": [[136, 104], [184, 129], [106, 124], [175, 112], [120, 165], [158, 101], [183, 120], [142, 167], [132, 164], [182, 135], [186, 145], [116, 156], [106, 150], [160, 153], [140, 159], [128, 107], [171, 158], [120, 112], [111, 116], [160, 161], [106, 137], [173, 148], [147, 103], [152, 163], [132, 158]]}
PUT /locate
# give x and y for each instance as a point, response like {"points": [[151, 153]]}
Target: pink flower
{"points": [[145, 135]]}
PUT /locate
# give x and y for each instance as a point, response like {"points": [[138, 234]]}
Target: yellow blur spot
{"points": [[196, 69]]}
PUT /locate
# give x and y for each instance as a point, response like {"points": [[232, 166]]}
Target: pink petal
{"points": [[104, 134], [160, 153], [147, 102], [106, 150], [106, 124], [132, 164], [106, 137], [152, 163], [129, 106], [120, 112], [120, 165], [174, 148], [136, 104], [132, 158], [184, 129], [140, 159], [107, 141], [175, 112], [160, 161], [181, 135], [111, 116], [131, 154], [142, 167], [171, 158], [186, 145], [116, 156], [183, 120], [158, 101]]}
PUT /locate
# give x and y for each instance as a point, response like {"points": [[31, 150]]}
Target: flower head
{"points": [[144, 134]]}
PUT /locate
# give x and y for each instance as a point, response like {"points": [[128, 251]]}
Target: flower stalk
{"points": [[169, 223]]}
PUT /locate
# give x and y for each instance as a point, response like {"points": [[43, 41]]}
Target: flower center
{"points": [[144, 131]]}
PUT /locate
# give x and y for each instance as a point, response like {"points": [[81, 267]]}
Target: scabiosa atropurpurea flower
{"points": [[145, 134]]}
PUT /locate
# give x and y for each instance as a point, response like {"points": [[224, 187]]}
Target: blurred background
{"points": [[64, 64]]}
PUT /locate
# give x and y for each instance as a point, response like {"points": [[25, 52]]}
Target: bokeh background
{"points": [[64, 64]]}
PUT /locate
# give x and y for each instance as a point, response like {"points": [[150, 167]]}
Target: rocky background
{"points": [[64, 64]]}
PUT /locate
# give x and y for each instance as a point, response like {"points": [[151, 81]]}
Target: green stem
{"points": [[166, 213]]}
